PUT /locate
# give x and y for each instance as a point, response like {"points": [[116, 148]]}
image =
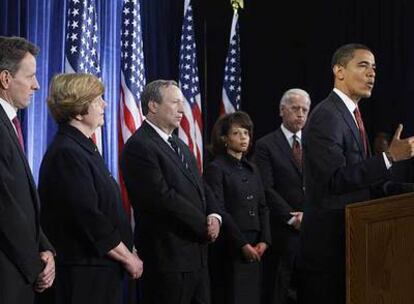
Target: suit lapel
{"points": [[13, 136], [172, 155], [192, 172], [347, 116], [283, 144]]}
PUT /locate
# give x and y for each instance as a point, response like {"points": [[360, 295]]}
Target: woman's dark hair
{"points": [[222, 127]]}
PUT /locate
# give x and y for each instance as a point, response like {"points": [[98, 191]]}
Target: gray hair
{"points": [[287, 97], [152, 92]]}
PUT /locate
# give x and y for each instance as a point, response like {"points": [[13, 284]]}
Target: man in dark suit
{"points": [[26, 258], [170, 203], [278, 156], [338, 171]]}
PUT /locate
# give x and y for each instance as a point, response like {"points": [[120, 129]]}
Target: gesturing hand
{"points": [[401, 149]]}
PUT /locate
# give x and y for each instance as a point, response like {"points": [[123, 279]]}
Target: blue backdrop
{"points": [[43, 23]]}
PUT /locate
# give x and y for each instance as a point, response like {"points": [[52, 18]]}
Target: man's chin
{"points": [[366, 94]]}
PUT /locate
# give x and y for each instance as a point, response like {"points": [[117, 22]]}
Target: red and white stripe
{"points": [[190, 130], [130, 119]]}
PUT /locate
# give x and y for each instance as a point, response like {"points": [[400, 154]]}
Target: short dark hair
{"points": [[152, 91], [12, 52], [345, 53], [223, 126]]}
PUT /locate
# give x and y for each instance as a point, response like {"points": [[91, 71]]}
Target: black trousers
{"points": [[281, 272], [84, 285], [13, 287], [322, 288], [175, 287]]}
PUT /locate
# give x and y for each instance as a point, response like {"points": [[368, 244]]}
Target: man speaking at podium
{"points": [[340, 170]]}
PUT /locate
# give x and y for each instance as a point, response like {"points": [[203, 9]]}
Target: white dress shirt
{"points": [[11, 112], [351, 106]]}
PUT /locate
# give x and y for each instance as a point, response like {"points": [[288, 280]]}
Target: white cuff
{"points": [[217, 216], [291, 221], [387, 162]]}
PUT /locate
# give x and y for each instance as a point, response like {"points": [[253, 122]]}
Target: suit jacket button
{"points": [[252, 213], [249, 197]]}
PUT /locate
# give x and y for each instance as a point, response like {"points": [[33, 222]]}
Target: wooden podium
{"points": [[380, 251]]}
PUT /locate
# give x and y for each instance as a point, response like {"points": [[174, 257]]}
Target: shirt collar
{"points": [[289, 135], [160, 132], [350, 105], [11, 112]]}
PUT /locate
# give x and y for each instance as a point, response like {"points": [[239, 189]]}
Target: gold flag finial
{"points": [[237, 4]]}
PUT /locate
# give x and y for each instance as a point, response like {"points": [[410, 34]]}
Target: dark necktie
{"points": [[18, 127], [361, 128], [177, 150], [297, 151]]}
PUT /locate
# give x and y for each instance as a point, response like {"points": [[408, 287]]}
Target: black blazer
{"points": [[283, 182], [170, 203], [239, 189], [21, 238], [81, 203], [337, 173]]}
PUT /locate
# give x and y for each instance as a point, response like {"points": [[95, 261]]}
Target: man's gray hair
{"points": [[287, 96]]}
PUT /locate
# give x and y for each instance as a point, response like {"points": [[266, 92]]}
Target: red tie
{"points": [[297, 151], [18, 127], [361, 128]]}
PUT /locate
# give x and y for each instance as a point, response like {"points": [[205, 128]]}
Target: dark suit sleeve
{"points": [[214, 179], [16, 239], [75, 188], [212, 201], [44, 243], [277, 204], [140, 166], [16, 236], [263, 213], [333, 153]]}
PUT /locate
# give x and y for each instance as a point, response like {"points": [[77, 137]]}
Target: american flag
{"points": [[82, 44], [191, 127], [132, 80], [232, 72]]}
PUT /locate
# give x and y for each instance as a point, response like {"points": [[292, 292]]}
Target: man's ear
{"points": [[281, 108], [79, 117], [5, 76], [338, 71], [152, 106]]}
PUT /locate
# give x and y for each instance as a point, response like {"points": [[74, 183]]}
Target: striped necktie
{"points": [[297, 151], [180, 154]]}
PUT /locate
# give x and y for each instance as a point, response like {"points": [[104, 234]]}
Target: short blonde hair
{"points": [[71, 94]]}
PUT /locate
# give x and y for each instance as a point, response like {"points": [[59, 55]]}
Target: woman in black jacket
{"points": [[81, 205], [235, 257]]}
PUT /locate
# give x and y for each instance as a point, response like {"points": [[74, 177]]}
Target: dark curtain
{"points": [[290, 44]]}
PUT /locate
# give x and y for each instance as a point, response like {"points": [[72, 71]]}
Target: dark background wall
{"points": [[289, 44], [284, 44]]}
